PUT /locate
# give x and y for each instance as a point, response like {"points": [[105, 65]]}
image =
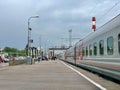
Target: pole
{"points": [[29, 29], [40, 45], [28, 37], [70, 37]]}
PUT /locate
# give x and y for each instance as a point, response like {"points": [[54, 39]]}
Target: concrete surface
{"points": [[46, 75]]}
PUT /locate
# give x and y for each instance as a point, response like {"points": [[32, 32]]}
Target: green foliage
{"points": [[9, 49], [14, 51]]}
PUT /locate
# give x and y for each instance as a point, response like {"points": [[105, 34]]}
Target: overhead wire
{"points": [[110, 9], [95, 7]]}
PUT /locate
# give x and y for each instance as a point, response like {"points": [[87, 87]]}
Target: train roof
{"points": [[115, 22]]}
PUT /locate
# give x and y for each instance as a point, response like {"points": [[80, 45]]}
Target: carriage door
{"points": [[119, 43]]}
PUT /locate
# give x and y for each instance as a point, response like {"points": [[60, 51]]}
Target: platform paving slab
{"points": [[46, 75]]}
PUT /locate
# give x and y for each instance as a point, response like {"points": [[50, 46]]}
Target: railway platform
{"points": [[46, 75]]}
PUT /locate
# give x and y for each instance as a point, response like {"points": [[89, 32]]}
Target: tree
{"points": [[9, 49], [14, 51]]}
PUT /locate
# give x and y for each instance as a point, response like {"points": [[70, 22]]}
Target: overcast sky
{"points": [[56, 17]]}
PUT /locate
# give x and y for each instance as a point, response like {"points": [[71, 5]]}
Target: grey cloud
{"points": [[56, 18]]}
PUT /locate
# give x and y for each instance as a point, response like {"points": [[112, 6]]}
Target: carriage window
{"points": [[101, 47], [95, 48], [110, 45], [90, 50], [119, 43], [86, 51]]}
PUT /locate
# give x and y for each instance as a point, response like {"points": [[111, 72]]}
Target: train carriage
{"points": [[104, 43], [99, 51], [69, 55]]}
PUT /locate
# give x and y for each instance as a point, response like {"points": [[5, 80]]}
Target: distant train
{"points": [[99, 51]]}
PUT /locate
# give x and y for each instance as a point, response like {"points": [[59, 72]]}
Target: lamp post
{"points": [[29, 29], [40, 43]]}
